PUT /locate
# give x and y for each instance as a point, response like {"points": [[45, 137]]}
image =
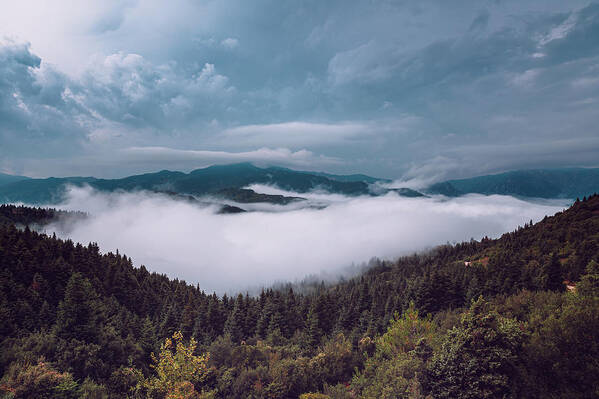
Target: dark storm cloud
{"points": [[34, 113], [384, 86]]}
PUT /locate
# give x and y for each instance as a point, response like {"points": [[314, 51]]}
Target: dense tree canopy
{"points": [[81, 323]]}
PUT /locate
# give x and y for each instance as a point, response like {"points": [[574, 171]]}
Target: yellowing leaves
{"points": [[179, 372]]}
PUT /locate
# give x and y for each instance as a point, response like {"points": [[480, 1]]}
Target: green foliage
{"points": [[334, 362], [91, 390], [404, 333], [314, 396], [25, 380], [479, 358], [589, 283], [78, 313], [552, 272], [178, 371], [96, 320], [563, 350], [124, 379], [400, 358]]}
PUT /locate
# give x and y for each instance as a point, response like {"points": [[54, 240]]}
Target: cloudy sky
{"points": [[385, 87]]}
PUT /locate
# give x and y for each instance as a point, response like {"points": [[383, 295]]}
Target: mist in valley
{"points": [[326, 233]]}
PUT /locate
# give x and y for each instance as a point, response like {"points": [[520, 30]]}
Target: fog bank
{"points": [[231, 252]]}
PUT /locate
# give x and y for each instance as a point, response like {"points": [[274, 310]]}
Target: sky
{"points": [[386, 87]]}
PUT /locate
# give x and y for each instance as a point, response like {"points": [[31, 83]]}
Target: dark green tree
{"points": [[588, 286], [552, 271], [314, 332], [79, 311], [235, 321], [477, 359]]}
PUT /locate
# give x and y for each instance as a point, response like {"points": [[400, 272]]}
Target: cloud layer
{"points": [[418, 82], [231, 252]]}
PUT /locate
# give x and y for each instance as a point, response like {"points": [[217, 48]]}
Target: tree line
{"points": [[489, 318]]}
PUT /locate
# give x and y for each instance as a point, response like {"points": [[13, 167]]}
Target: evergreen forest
{"points": [[513, 317]]}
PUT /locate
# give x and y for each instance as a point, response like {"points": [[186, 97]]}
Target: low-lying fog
{"points": [[226, 253]]}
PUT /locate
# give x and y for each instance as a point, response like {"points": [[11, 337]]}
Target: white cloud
{"points": [[230, 252], [64, 33], [333, 87], [303, 133], [129, 89], [560, 31], [422, 175], [475, 159], [282, 156], [586, 82], [366, 63], [526, 78], [230, 43]]}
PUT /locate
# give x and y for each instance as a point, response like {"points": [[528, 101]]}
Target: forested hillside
{"points": [[512, 317]]}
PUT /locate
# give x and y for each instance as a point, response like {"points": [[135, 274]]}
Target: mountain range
{"points": [[229, 183], [534, 183], [223, 181], [7, 179]]}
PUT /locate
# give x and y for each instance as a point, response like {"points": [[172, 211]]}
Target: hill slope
{"points": [[96, 316], [540, 183], [6, 179]]}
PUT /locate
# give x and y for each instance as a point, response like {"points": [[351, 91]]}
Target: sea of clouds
{"points": [[327, 233]]}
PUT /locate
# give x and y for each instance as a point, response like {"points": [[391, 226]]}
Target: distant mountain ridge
{"points": [[7, 179], [534, 183], [223, 180], [229, 182]]}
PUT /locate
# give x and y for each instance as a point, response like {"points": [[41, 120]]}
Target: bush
{"points": [[38, 381]]}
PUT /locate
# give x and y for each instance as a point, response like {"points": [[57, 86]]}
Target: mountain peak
{"points": [[233, 167]]}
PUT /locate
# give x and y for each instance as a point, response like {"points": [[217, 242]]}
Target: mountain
{"points": [[351, 178], [535, 183], [247, 196], [6, 179], [40, 191], [210, 180], [80, 323], [218, 177], [229, 182], [407, 192]]}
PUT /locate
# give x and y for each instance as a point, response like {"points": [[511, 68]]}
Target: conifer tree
{"points": [[313, 327], [188, 318], [170, 321], [235, 321], [552, 271], [78, 313]]}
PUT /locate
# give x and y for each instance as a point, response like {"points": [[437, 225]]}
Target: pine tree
{"points": [[188, 318], [147, 338], [553, 274], [46, 315], [589, 283], [170, 321], [235, 321], [78, 313], [313, 327]]}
